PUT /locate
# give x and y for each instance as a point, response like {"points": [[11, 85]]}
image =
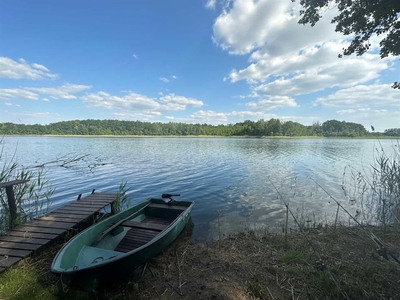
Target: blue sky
{"points": [[212, 61]]}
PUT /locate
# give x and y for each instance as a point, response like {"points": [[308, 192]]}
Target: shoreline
{"points": [[203, 136], [247, 265]]}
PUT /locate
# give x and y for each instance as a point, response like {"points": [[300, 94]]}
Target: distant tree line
{"points": [[272, 127], [392, 132]]}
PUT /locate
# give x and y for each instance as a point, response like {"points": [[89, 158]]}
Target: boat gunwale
{"points": [[71, 271]]}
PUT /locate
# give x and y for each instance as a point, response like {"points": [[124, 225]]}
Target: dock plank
{"points": [[23, 240], [19, 246], [87, 209], [14, 252], [51, 224], [98, 198], [71, 211], [28, 229], [60, 218], [63, 215], [8, 261], [17, 239], [92, 201], [27, 235]]}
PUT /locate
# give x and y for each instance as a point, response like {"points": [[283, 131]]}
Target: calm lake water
{"points": [[230, 175]]}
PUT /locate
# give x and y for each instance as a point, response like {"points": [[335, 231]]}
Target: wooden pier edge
{"points": [[29, 238]]}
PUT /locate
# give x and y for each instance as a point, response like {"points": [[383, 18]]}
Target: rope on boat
{"points": [[94, 260], [62, 283]]}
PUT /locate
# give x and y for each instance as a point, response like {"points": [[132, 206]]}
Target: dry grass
{"points": [[253, 265]]}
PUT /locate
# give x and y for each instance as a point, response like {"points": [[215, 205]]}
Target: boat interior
{"points": [[130, 233]]}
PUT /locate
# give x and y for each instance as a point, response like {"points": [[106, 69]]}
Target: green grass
{"points": [[29, 280]]}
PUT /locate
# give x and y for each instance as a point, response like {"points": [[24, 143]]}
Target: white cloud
{"points": [[381, 119], [135, 56], [288, 59], [169, 117], [352, 111], [272, 102], [215, 118], [23, 70], [251, 115], [45, 100], [211, 4], [269, 26], [314, 60], [210, 117], [18, 93], [65, 91], [362, 96], [145, 117], [8, 104], [175, 102], [172, 78], [346, 111], [136, 105], [131, 101]]}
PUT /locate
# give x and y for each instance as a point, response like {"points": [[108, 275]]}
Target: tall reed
{"points": [[122, 200], [377, 189], [31, 198]]}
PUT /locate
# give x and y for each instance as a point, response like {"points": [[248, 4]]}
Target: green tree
{"points": [[363, 19]]}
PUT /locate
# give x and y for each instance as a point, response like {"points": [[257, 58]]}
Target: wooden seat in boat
{"points": [[150, 226]]}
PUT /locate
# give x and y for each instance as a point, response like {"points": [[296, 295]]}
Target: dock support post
{"points": [[12, 207], [112, 208]]}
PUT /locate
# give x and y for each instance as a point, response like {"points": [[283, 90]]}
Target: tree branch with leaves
{"points": [[363, 19]]}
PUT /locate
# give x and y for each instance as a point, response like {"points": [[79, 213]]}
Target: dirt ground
{"points": [[320, 263]]}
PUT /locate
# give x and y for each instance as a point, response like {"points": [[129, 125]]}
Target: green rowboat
{"points": [[114, 247]]}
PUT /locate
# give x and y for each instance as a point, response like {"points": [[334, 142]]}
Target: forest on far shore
{"points": [[272, 127]]}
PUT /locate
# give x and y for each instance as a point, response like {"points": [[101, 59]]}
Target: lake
{"points": [[232, 175]]}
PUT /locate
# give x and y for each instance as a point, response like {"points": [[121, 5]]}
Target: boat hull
{"points": [[90, 277]]}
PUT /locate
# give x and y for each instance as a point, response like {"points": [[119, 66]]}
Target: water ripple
{"points": [[232, 176]]}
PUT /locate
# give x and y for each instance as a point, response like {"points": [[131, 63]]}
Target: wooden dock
{"points": [[26, 239]]}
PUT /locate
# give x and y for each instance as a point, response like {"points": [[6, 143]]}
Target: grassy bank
{"points": [[252, 265]]}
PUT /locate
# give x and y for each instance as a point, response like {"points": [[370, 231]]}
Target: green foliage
{"points": [[292, 256], [122, 200], [272, 127], [343, 129], [257, 289], [31, 198], [392, 132], [363, 19]]}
